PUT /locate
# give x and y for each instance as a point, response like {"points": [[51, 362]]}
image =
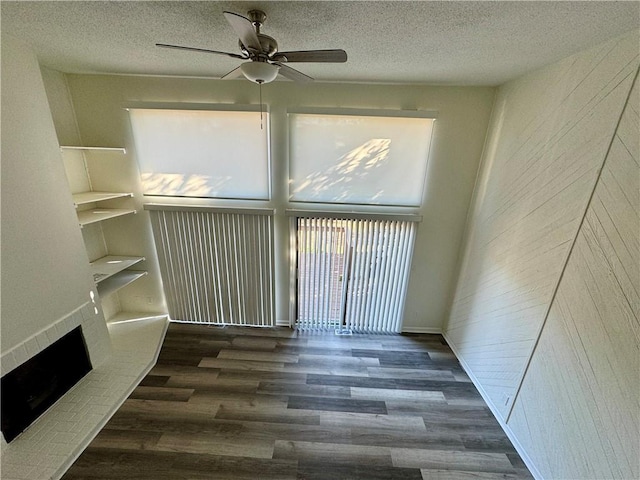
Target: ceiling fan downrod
{"points": [[257, 18]]}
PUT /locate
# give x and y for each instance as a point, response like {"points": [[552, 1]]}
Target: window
{"points": [[353, 273], [202, 153], [358, 159]]}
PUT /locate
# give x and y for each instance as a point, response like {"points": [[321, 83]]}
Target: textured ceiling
{"points": [[461, 43]]}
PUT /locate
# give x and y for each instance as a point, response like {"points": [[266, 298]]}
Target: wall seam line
{"points": [[573, 243]]}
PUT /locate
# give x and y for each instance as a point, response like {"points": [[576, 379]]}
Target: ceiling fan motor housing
{"points": [[268, 44]]}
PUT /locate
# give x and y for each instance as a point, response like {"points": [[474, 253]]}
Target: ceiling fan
{"points": [[265, 61]]}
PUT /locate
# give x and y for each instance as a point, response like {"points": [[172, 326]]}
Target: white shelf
{"points": [[108, 266], [132, 317], [92, 197], [99, 214], [118, 281], [101, 149]]}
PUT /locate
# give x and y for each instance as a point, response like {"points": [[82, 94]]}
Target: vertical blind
{"points": [[216, 266], [353, 273]]}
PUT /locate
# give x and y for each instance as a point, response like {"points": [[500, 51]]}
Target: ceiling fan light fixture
{"points": [[259, 72]]}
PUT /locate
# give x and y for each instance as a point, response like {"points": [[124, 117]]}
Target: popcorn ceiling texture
{"points": [[462, 43]]}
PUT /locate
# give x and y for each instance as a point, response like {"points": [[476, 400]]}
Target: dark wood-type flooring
{"points": [[248, 403]]}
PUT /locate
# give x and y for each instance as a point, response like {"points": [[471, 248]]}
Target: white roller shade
{"points": [[202, 153], [358, 159]]}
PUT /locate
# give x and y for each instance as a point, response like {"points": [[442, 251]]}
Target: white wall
{"points": [[545, 314], [60, 106], [45, 274], [463, 115]]}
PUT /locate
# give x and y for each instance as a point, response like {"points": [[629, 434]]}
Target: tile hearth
{"points": [[47, 448]]}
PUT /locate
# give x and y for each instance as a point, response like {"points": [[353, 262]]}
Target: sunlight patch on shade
{"points": [[179, 185], [355, 164]]}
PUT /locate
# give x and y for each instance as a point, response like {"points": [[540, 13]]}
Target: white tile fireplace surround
{"points": [[51, 444], [95, 338]]}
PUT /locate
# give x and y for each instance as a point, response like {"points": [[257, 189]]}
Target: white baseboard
{"points": [[437, 330], [507, 430]]}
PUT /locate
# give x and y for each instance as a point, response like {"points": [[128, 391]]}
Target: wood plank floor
{"points": [[247, 403]]}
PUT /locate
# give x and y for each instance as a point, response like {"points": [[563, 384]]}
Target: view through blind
{"points": [[201, 153], [353, 273], [358, 159]]}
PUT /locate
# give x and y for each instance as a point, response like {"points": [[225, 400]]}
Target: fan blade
{"points": [[235, 73], [193, 49], [333, 56], [244, 29], [293, 74]]}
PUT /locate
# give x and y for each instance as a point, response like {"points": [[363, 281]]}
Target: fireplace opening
{"points": [[30, 389]]}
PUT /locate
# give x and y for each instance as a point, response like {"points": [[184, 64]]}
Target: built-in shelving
{"points": [[100, 187], [110, 265], [92, 197], [87, 217], [118, 281]]}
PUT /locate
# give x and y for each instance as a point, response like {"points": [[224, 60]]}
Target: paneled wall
{"points": [[578, 411], [549, 135], [545, 313]]}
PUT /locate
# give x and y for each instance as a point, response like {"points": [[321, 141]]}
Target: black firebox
{"points": [[30, 389]]}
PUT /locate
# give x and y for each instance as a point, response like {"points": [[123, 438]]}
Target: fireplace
{"points": [[30, 389]]}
